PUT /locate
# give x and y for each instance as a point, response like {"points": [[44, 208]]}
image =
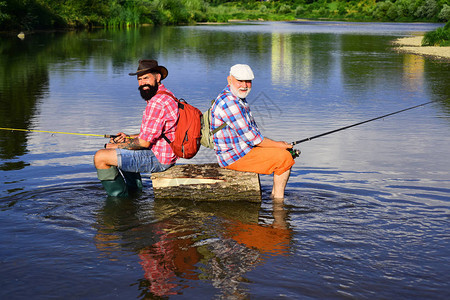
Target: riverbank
{"points": [[414, 45], [29, 15]]}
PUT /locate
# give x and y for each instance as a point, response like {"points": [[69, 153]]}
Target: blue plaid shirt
{"points": [[241, 133]]}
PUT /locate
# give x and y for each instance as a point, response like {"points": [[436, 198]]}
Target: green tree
{"points": [[392, 12], [284, 9], [444, 15], [428, 10], [3, 16], [29, 14], [405, 9], [381, 10]]}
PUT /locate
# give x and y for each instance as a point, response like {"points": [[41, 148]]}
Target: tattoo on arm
{"points": [[131, 144]]}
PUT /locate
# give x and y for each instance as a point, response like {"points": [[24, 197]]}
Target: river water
{"points": [[366, 213]]}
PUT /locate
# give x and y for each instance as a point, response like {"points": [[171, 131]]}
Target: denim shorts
{"points": [[137, 161]]}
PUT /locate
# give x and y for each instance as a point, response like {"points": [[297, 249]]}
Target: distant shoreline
{"points": [[414, 45]]}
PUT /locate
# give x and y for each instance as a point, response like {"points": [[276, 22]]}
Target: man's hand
{"points": [[286, 145], [125, 141], [274, 144], [119, 138]]}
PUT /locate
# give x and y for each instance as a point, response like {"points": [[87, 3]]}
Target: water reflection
{"points": [[186, 241], [23, 83], [413, 69], [282, 67], [170, 260]]}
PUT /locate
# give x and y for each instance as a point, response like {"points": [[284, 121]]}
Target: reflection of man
{"points": [[173, 256], [180, 245], [240, 145], [168, 256], [240, 247], [147, 151], [270, 239]]}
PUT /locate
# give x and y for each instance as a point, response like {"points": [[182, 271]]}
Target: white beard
{"points": [[241, 93]]}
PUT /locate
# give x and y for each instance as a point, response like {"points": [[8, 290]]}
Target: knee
{"points": [[100, 159], [286, 157], [97, 156], [285, 162]]}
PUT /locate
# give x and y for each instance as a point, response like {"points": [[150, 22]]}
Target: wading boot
{"points": [[133, 181], [113, 182]]}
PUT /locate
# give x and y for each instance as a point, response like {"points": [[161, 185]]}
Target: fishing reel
{"points": [[294, 152]]}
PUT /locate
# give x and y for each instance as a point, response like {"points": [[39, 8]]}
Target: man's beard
{"points": [[241, 93], [147, 94]]}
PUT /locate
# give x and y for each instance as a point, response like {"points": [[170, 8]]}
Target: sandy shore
{"points": [[413, 45]]}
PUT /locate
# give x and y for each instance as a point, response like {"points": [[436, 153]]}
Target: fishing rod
{"points": [[353, 125], [60, 132]]}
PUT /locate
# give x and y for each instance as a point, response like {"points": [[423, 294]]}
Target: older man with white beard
{"points": [[240, 145]]}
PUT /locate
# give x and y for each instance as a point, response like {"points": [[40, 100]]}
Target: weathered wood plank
{"points": [[206, 182]]}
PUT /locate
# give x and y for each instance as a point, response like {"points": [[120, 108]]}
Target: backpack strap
{"points": [[168, 94], [180, 105], [221, 126], [180, 102], [166, 138]]}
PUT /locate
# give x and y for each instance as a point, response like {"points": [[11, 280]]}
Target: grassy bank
{"points": [[438, 37], [45, 14]]}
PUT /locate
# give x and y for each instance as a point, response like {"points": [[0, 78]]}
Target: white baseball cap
{"points": [[242, 72]]}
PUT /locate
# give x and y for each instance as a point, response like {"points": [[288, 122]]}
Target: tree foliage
{"points": [[37, 14]]}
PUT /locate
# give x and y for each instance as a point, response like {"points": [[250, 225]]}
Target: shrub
{"points": [[263, 8], [405, 8], [381, 10], [392, 12], [323, 12], [284, 9], [3, 17], [427, 10], [444, 15], [342, 10], [300, 11], [438, 37]]}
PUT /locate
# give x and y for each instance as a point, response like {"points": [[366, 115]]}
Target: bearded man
{"points": [[240, 145], [125, 156]]}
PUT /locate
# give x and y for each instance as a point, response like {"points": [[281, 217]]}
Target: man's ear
{"points": [[229, 79], [158, 78]]}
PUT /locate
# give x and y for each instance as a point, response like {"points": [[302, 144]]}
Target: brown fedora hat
{"points": [[150, 65]]}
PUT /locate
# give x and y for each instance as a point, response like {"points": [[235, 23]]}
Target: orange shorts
{"points": [[264, 160]]}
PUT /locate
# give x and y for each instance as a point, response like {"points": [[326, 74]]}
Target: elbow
{"points": [[144, 143]]}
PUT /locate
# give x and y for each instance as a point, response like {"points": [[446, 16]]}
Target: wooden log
{"points": [[206, 182]]}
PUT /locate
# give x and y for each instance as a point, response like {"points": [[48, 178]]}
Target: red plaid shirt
{"points": [[160, 115]]}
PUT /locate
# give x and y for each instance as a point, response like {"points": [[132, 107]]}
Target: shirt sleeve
{"points": [[236, 118]]}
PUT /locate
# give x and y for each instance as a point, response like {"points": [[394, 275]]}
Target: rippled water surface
{"points": [[366, 213]]}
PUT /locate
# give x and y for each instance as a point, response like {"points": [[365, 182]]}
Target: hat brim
{"points": [[160, 69]]}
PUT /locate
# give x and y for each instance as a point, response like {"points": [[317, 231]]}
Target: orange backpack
{"points": [[188, 132]]}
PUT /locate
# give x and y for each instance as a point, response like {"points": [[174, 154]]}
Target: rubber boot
{"points": [[113, 182], [133, 181]]}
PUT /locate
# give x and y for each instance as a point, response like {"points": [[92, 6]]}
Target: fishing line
{"points": [[61, 132], [356, 124]]}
